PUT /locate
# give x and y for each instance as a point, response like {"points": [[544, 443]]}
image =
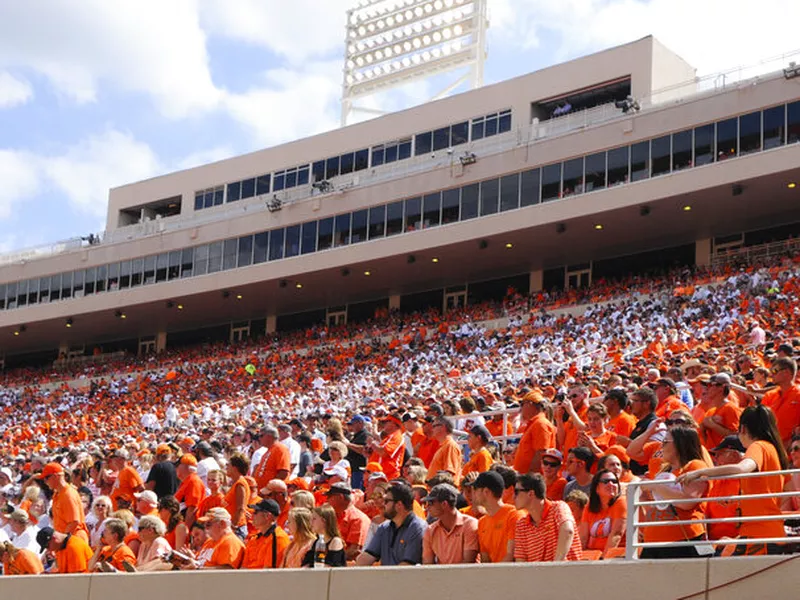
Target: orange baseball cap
{"points": [[189, 459], [534, 397], [392, 419], [374, 467], [299, 483], [163, 449], [52, 468]]}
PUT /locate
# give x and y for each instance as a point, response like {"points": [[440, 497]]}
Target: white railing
{"points": [[750, 253], [636, 521]]}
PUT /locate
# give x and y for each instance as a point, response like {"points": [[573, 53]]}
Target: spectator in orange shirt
{"points": [[146, 503], [539, 435], [448, 457], [128, 480], [551, 470], [115, 552], [784, 401], [496, 528], [495, 424], [191, 490], [453, 537], [353, 523], [71, 552], [429, 445], [216, 479], [592, 433], [278, 491], [266, 546], [228, 550], [237, 499], [602, 525], [389, 451], [722, 417], [620, 421], [480, 459], [19, 561], [729, 452], [668, 398], [276, 462], [67, 508]]}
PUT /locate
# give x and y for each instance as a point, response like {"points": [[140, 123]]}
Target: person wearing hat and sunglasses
{"points": [[453, 537], [449, 456], [722, 417], [353, 523], [128, 480], [67, 508], [266, 546], [389, 451], [729, 451]]}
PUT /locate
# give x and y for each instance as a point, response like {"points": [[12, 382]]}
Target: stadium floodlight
{"points": [[393, 42]]}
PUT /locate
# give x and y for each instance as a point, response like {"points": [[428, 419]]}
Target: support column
{"points": [[702, 252], [394, 302], [63, 350], [536, 281], [161, 342], [272, 324]]}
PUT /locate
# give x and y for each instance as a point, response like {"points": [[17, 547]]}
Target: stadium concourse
{"points": [[370, 444]]}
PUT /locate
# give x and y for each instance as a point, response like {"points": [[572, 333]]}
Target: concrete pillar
{"points": [[272, 324], [63, 350], [161, 342], [702, 252], [394, 302], [536, 281]]}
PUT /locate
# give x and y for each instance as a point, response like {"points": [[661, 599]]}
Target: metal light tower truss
{"points": [[393, 42]]}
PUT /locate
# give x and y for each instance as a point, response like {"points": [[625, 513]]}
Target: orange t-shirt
{"points": [[24, 563], [478, 462], [540, 434], [276, 459], [208, 503], [191, 491], [392, 459], [75, 556], [600, 523], [766, 458], [729, 414], [127, 482], [622, 424], [786, 407], [258, 550], [427, 449], [116, 557], [669, 406], [723, 509], [447, 458], [228, 551], [676, 533], [555, 490], [571, 433], [67, 508], [605, 440], [229, 503], [496, 428], [494, 532]]}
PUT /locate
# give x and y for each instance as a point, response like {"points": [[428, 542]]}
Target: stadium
{"points": [[613, 226]]}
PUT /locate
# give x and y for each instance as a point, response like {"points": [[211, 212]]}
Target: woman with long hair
{"points": [[237, 499], [298, 525], [328, 549], [792, 503], [682, 500], [764, 452], [169, 509], [602, 525]]}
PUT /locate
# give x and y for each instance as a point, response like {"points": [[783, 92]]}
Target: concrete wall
{"points": [[712, 579]]}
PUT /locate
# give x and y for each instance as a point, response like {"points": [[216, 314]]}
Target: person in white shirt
{"points": [[23, 531], [285, 435], [205, 461]]}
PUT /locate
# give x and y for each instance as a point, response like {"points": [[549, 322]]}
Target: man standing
{"points": [[398, 540], [497, 527], [128, 480], [67, 508], [357, 447], [453, 537], [539, 435], [785, 399], [191, 491], [643, 407], [162, 478], [566, 432], [353, 523], [205, 461], [668, 399], [448, 457], [619, 421], [285, 436], [389, 451], [276, 462], [266, 546], [548, 532]]}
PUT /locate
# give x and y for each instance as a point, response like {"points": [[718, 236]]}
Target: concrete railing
{"points": [[765, 578]]}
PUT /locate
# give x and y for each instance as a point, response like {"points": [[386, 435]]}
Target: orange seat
{"points": [[592, 555], [614, 553]]}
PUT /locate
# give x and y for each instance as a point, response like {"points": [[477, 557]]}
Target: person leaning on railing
{"points": [[758, 432], [683, 455]]}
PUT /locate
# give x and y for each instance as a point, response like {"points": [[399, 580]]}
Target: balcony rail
{"points": [[748, 254], [525, 135], [636, 518]]}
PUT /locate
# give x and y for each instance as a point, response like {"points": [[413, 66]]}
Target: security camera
{"points": [[433, 154], [449, 150]]}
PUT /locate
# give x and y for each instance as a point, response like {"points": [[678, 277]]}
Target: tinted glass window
{"points": [[245, 251], [573, 177], [727, 136], [529, 188], [262, 185], [640, 161], [551, 182], [292, 243], [509, 192], [469, 201], [595, 171], [413, 214], [490, 196], [750, 133], [423, 143], [359, 228], [214, 259], [248, 188], [377, 222], [260, 247], [704, 152], [661, 155], [276, 244], [342, 231], [459, 133], [325, 234], [230, 251], [774, 127], [681, 150], [441, 138], [309, 242], [793, 122], [234, 191], [431, 210], [450, 205], [394, 218]]}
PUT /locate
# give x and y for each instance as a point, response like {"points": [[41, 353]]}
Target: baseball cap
{"points": [[189, 459], [147, 496], [336, 471], [43, 537], [670, 383], [215, 514], [373, 467], [720, 379], [730, 442], [554, 453], [163, 449], [491, 480], [442, 492], [267, 505], [356, 419], [340, 487], [299, 483], [534, 397], [378, 476], [52, 468], [409, 417], [121, 453], [392, 419], [7, 472]]}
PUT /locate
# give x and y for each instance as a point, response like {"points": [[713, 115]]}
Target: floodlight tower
{"points": [[393, 42]]}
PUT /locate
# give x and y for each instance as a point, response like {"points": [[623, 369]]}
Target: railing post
{"points": [[631, 533]]}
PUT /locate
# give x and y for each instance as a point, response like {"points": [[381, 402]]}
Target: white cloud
{"points": [[13, 91], [85, 172], [143, 46], [294, 29], [19, 177], [204, 157]]}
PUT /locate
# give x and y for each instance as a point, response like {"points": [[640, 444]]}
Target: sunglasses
{"points": [[608, 480], [574, 396], [671, 422], [794, 449], [776, 371], [551, 463]]}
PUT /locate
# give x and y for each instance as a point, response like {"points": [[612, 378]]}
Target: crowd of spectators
{"points": [[423, 439]]}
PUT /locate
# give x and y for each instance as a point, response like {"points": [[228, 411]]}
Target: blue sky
{"points": [[98, 93]]}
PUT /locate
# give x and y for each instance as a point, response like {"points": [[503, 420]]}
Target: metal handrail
{"points": [[635, 522]]}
